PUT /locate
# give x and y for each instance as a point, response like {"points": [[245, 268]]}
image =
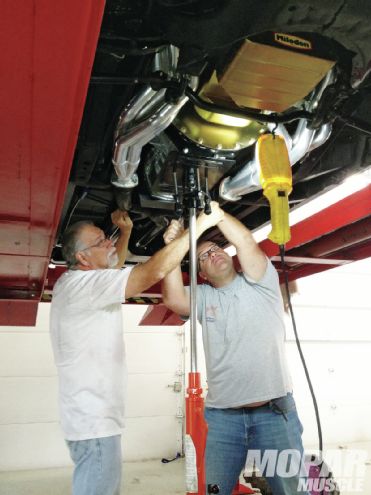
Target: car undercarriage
{"points": [[178, 84]]}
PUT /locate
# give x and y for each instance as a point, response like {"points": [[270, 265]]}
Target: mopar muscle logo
{"points": [[294, 41]]}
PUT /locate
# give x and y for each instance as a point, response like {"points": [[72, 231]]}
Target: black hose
{"points": [[320, 441], [273, 118], [158, 82]]}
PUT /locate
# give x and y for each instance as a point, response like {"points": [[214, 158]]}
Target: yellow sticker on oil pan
{"points": [[293, 41]]}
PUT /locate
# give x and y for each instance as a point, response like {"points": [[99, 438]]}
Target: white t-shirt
{"points": [[87, 340]]}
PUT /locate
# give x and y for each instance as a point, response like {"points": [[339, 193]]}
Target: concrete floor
{"points": [[140, 478]]}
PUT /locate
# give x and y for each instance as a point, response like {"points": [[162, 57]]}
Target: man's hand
{"points": [[216, 216], [168, 259], [174, 230], [122, 220]]}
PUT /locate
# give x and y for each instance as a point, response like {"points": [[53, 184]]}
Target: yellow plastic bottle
{"points": [[276, 181]]}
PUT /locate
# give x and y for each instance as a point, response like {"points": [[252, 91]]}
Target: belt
{"points": [[270, 403], [252, 408]]}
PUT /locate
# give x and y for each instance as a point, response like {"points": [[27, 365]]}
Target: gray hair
{"points": [[71, 243]]}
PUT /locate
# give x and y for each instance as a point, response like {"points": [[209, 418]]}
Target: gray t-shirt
{"points": [[243, 336]]}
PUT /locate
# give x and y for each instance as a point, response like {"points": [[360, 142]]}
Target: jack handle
{"points": [[178, 207], [207, 208]]}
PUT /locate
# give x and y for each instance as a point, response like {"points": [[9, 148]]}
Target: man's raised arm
{"points": [[174, 295], [168, 258], [252, 259], [122, 220]]}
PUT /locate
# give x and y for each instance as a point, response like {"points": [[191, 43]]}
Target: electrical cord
{"points": [[166, 461], [320, 442], [83, 195]]}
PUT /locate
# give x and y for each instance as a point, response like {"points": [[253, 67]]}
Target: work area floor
{"points": [[140, 478]]}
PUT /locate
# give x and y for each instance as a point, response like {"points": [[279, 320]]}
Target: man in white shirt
{"points": [[88, 346]]}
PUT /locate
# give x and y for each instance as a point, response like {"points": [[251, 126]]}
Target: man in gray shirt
{"points": [[250, 410]]}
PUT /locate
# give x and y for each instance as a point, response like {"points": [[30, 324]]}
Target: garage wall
{"points": [[333, 316], [30, 436]]}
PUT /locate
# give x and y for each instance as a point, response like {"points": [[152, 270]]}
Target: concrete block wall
{"points": [[30, 435]]}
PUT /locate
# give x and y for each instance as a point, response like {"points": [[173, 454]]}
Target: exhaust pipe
{"points": [[146, 116], [128, 147], [247, 179]]}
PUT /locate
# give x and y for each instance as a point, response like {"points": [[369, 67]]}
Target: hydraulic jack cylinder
{"points": [[196, 433], [196, 427]]}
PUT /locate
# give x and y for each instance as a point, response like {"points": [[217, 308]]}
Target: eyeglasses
{"points": [[98, 244], [214, 248]]}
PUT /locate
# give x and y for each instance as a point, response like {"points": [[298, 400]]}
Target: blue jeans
{"points": [[97, 465], [255, 433]]}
